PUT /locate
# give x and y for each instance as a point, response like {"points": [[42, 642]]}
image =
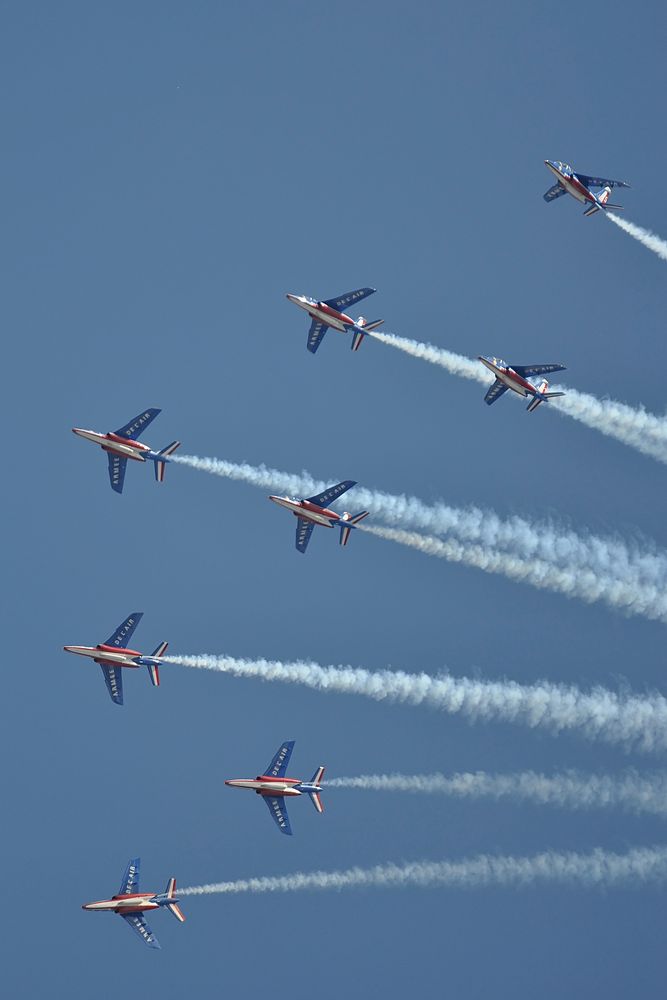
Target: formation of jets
{"points": [[274, 786]]}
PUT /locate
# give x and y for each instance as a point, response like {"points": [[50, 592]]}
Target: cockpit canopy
{"points": [[564, 168]]}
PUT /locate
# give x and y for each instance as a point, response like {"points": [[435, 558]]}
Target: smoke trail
{"points": [[630, 790], [599, 869], [645, 236], [634, 427], [630, 597], [633, 721], [604, 556]]}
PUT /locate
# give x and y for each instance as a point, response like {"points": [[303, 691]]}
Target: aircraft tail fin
{"points": [[160, 466], [348, 521], [315, 796], [160, 650], [592, 210], [173, 907], [367, 327]]}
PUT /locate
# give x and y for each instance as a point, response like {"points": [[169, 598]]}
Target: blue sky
{"points": [[171, 171]]}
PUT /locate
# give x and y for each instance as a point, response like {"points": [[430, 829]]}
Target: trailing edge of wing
{"points": [[117, 467], [554, 192], [135, 427], [332, 493], [349, 298], [526, 371], [601, 181], [121, 636], [130, 880], [113, 678]]}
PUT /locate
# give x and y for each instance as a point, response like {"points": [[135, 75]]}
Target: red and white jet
{"points": [[274, 786], [515, 377], [113, 655], [130, 905], [312, 511], [580, 186], [328, 313], [123, 444]]}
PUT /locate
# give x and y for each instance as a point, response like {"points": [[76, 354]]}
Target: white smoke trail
{"points": [[630, 597], [630, 790], [633, 721], [634, 427], [645, 236], [605, 556], [599, 869]]}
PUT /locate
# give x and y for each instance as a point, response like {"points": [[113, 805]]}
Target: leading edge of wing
{"points": [[348, 298], [315, 335], [278, 810], [332, 493], [130, 881], [122, 635], [526, 371], [304, 530], [137, 425], [590, 182], [113, 678], [280, 760], [117, 467]]}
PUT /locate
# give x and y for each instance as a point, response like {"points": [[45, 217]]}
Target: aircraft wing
{"points": [[130, 880], [117, 467], [280, 761], [332, 493], [554, 192], [113, 677], [278, 810], [495, 392], [122, 635], [304, 530], [525, 371], [601, 182], [135, 427], [348, 298], [139, 925], [315, 335]]}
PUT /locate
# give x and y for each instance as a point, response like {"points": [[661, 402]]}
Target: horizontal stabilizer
{"points": [[177, 911], [317, 777], [357, 338], [348, 522], [154, 674], [317, 801], [160, 466], [160, 650]]}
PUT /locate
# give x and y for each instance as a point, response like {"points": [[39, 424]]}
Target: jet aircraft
{"points": [[328, 313], [123, 444], [313, 510], [580, 187], [274, 787], [113, 655], [131, 904], [515, 377]]}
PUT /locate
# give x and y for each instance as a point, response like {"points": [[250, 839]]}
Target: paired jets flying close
{"points": [[313, 510], [328, 313], [515, 377], [275, 787], [580, 187], [131, 904], [123, 444], [113, 655]]}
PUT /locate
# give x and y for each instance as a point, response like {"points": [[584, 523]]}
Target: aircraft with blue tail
{"points": [[113, 656], [131, 904], [274, 786], [312, 511], [328, 313], [516, 378], [580, 186], [123, 445]]}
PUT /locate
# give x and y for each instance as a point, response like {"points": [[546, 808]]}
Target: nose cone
{"points": [[77, 430], [292, 298]]}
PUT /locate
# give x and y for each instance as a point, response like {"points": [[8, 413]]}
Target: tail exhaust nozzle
{"points": [[160, 466], [366, 327], [348, 521]]}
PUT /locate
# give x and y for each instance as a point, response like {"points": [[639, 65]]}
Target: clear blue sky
{"points": [[170, 171]]}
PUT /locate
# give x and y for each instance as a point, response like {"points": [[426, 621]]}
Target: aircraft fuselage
{"points": [[323, 313], [131, 903], [135, 450], [510, 378], [115, 657], [308, 511], [573, 185], [266, 785]]}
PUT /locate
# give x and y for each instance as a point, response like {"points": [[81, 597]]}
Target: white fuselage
{"points": [[307, 511], [323, 313], [271, 787], [573, 186], [510, 378], [123, 447], [141, 901], [122, 658]]}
